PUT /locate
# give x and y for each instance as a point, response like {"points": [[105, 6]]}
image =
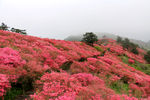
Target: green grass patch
{"points": [[137, 65], [98, 48], [120, 87], [13, 93], [124, 59], [141, 67]]}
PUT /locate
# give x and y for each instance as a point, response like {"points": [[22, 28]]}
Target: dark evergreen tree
{"points": [[89, 38], [4, 27], [119, 39], [127, 40], [126, 43]]}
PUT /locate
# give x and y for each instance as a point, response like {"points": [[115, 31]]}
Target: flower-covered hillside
{"points": [[65, 70]]}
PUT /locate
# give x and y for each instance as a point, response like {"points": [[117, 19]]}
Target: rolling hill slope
{"points": [[70, 70]]}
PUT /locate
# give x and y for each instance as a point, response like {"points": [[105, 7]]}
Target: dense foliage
{"points": [[65, 70], [126, 44], [4, 27], [147, 57], [18, 31]]}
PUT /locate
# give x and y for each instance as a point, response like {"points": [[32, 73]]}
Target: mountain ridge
{"points": [[142, 44]]}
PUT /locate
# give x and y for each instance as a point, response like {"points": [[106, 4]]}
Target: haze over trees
{"points": [[6, 28], [142, 44]]}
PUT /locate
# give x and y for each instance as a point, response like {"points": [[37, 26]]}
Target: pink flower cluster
{"points": [[121, 97], [11, 63], [10, 57], [131, 61], [57, 86]]}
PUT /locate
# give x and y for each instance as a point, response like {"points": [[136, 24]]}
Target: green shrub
{"points": [[98, 48], [126, 44], [66, 65], [135, 51]]}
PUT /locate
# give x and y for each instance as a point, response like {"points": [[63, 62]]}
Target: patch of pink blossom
{"points": [[10, 57], [131, 61]]}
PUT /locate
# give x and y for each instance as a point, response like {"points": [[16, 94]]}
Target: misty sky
{"points": [[61, 18]]}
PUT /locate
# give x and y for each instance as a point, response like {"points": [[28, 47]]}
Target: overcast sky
{"points": [[61, 18]]}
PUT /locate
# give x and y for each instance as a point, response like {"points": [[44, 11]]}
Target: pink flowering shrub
{"points": [[115, 78], [56, 86], [60, 60], [10, 57], [121, 97], [67, 96], [29, 57], [4, 84], [92, 60], [11, 64], [78, 67], [107, 60], [87, 79]]}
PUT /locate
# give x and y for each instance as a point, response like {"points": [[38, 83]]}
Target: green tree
{"points": [[18, 31], [133, 48], [119, 39], [89, 38], [126, 43], [4, 27]]}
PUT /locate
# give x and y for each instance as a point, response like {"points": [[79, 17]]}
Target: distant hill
{"points": [[80, 36], [148, 42], [142, 44]]}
